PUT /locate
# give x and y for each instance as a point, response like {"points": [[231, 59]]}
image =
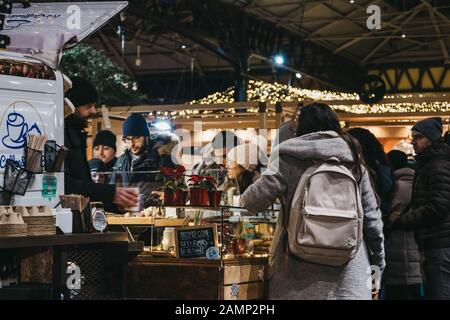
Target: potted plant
{"points": [[198, 192], [214, 195], [174, 187]]}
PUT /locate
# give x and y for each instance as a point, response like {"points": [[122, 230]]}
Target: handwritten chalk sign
{"points": [[193, 242]]}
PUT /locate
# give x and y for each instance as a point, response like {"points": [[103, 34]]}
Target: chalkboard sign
{"points": [[193, 242]]}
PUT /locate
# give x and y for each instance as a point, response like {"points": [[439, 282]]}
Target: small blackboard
{"points": [[193, 242]]}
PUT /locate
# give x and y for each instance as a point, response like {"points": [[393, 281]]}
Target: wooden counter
{"points": [[171, 278], [61, 240], [144, 221]]}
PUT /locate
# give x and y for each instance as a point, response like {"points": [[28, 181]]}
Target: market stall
{"points": [[39, 255]]}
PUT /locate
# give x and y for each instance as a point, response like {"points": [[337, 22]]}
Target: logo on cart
{"points": [[15, 21], [17, 124]]}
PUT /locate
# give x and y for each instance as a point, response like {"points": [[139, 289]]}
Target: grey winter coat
{"points": [[402, 253], [291, 278]]}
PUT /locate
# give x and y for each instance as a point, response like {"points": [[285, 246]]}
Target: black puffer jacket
{"points": [[429, 216], [402, 255], [77, 178]]}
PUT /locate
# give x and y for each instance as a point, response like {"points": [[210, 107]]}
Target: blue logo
{"points": [[16, 23], [17, 131], [212, 253]]}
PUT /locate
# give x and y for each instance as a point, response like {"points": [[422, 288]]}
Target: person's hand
{"points": [[125, 197], [376, 295]]}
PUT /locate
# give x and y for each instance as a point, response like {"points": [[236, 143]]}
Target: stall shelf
{"points": [[170, 278], [67, 267], [156, 274]]}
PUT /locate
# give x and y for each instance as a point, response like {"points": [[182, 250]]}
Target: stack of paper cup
{"points": [[64, 219]]}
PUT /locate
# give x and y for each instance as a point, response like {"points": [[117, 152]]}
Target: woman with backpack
{"points": [[319, 140]]}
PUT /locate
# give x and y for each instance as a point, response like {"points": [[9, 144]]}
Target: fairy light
{"points": [[275, 92]]}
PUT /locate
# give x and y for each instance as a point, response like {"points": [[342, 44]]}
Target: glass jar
{"points": [[99, 221]]}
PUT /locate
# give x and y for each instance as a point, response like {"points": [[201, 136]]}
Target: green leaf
{"points": [[114, 87]]}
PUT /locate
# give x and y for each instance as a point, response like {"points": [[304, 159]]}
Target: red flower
{"points": [[167, 171], [181, 170], [196, 179]]}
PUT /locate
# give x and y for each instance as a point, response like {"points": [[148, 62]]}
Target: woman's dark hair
{"points": [[317, 117], [373, 155], [372, 149], [397, 159]]}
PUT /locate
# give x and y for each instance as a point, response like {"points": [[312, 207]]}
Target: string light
{"points": [[274, 92]]}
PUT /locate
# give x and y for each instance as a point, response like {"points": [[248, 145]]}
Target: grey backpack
{"points": [[326, 216]]}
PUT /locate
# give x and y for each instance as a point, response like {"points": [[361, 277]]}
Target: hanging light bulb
{"points": [[138, 56], [403, 32]]}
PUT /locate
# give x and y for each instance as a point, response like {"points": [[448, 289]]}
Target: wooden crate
{"points": [[40, 225]]}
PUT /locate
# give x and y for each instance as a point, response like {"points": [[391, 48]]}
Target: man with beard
{"points": [[139, 165]]}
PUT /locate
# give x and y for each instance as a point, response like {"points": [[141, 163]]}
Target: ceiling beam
{"points": [[332, 24], [117, 54], [432, 11], [181, 28], [369, 34], [382, 43]]}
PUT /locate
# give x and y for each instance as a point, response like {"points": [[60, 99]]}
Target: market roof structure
{"points": [[182, 50]]}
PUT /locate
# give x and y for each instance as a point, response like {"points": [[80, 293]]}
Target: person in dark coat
{"points": [[77, 178], [140, 164], [402, 277], [429, 214], [104, 148], [379, 170]]}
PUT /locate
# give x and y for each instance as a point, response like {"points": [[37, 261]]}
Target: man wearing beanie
{"points": [[429, 212], [105, 149], [141, 155], [77, 177]]}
